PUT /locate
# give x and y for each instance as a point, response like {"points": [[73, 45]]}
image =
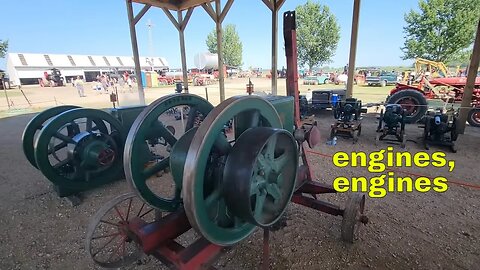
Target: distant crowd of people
{"points": [[105, 83]]}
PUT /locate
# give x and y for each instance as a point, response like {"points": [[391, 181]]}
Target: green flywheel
{"points": [[150, 142], [203, 193], [35, 125], [80, 149]]}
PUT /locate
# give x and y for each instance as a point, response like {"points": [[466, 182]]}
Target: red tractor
{"points": [[413, 98]]}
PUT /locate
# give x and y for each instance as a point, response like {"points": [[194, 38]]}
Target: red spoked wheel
{"points": [[109, 241]]}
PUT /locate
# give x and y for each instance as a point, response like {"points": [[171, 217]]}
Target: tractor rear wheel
{"points": [[413, 102], [474, 117]]}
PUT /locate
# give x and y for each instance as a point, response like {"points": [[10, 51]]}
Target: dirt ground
{"points": [[405, 231], [41, 98]]}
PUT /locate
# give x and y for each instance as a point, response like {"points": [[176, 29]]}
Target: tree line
{"points": [[441, 30]]}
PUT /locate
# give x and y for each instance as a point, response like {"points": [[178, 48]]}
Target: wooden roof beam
{"points": [[141, 13]]}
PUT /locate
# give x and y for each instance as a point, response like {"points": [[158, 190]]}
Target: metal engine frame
{"points": [[348, 114], [437, 125], [392, 123]]}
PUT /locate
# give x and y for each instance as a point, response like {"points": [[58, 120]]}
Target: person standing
{"points": [[79, 86], [129, 83], [104, 81]]}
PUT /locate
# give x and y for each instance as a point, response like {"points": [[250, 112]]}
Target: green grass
{"points": [[10, 93]]}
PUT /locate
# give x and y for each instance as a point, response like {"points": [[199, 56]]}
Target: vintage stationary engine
{"points": [[79, 149], [392, 123], [224, 183], [348, 114], [440, 129]]}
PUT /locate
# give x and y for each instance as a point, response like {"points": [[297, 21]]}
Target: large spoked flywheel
{"points": [[35, 125], [203, 177], [80, 149], [154, 144]]}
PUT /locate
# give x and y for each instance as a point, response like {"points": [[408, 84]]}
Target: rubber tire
{"points": [[393, 99], [470, 118], [383, 83]]}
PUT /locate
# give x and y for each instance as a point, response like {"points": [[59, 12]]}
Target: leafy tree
{"points": [[231, 45], [317, 34], [3, 48], [443, 30]]}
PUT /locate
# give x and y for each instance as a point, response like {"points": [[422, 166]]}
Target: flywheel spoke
{"points": [[262, 161], [274, 191], [57, 147], [89, 124], [167, 135], [255, 186], [270, 148], [280, 162], [259, 203], [62, 163], [64, 138], [159, 166]]}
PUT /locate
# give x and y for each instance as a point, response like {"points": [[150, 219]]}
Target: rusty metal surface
{"points": [[312, 187], [325, 207], [152, 235]]}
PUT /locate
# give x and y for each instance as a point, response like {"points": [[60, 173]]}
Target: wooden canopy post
{"points": [[274, 6], [468, 91], [218, 16], [353, 48], [181, 23], [132, 21]]}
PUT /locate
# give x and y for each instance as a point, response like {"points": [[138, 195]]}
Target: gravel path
{"points": [[406, 230]]}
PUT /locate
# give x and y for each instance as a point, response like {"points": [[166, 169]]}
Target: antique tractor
{"points": [[348, 114], [392, 123], [78, 149], [222, 184], [440, 129]]}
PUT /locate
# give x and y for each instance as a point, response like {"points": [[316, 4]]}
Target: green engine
{"points": [[77, 148]]}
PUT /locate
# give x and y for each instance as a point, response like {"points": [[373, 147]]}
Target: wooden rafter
{"points": [[269, 4], [171, 18], [209, 9], [176, 5], [141, 13]]}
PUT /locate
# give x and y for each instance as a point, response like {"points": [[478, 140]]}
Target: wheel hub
{"points": [[93, 150], [408, 105]]}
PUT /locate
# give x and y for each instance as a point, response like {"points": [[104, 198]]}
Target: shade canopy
{"points": [[173, 4]]}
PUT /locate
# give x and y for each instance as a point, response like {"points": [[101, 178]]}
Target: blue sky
{"points": [[101, 28]]}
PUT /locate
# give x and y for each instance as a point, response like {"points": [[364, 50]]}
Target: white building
{"points": [[27, 68]]}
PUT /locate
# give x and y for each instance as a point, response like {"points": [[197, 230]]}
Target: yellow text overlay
{"points": [[378, 162]]}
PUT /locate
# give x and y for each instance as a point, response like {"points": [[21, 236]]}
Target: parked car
{"points": [[318, 79], [382, 79]]}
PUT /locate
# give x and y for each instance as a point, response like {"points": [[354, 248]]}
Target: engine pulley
{"points": [[259, 175]]}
